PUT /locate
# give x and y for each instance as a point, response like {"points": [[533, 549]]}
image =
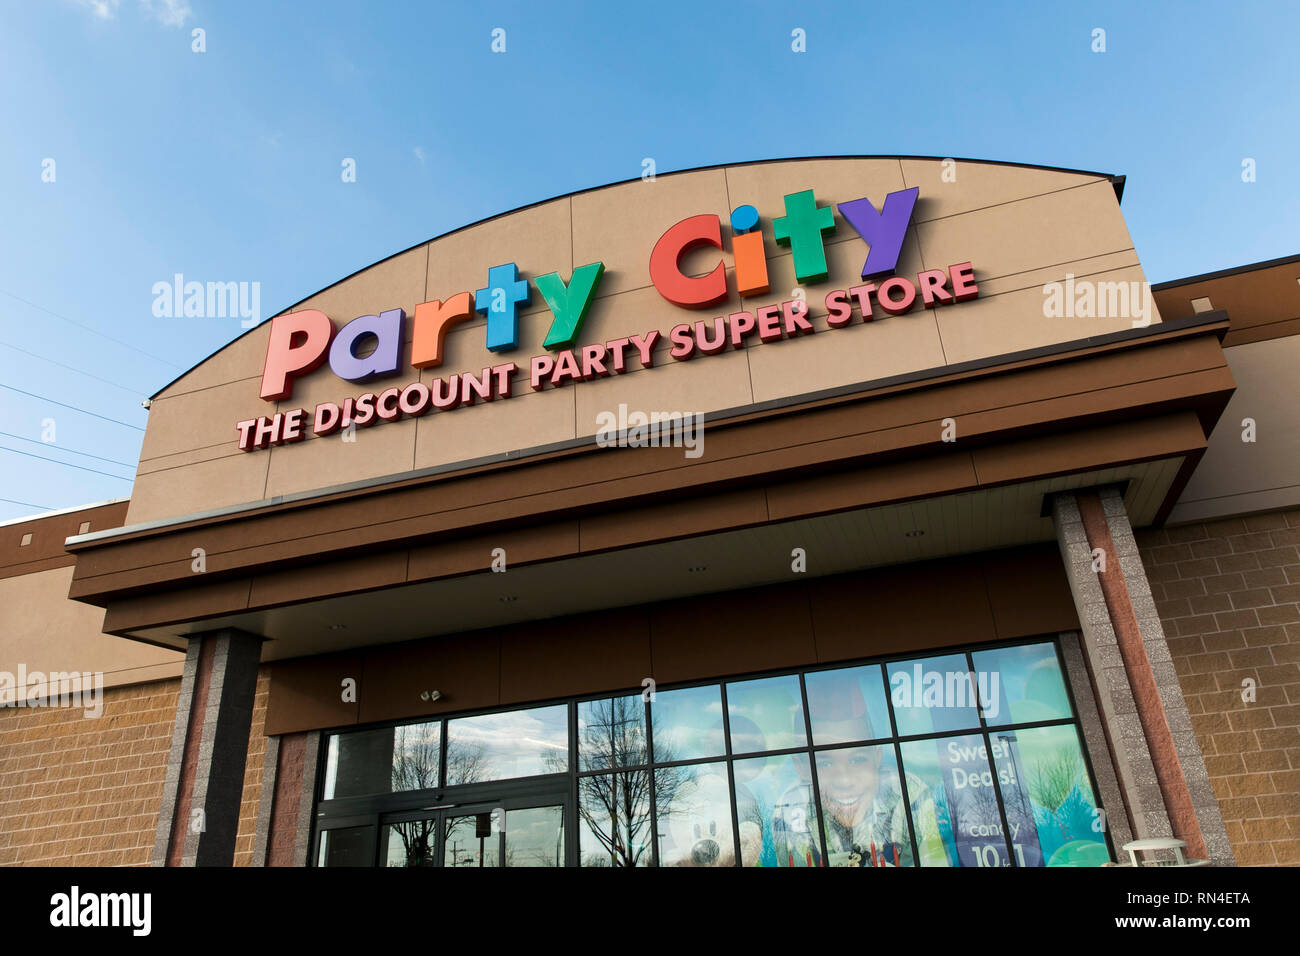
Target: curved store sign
{"points": [[300, 342]]}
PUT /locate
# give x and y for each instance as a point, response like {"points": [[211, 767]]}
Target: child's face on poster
{"points": [[849, 779]]}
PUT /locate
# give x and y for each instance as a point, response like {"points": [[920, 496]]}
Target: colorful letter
{"points": [[569, 304], [499, 302], [884, 230], [286, 360], [802, 228], [665, 268], [747, 249], [432, 320], [384, 360]]}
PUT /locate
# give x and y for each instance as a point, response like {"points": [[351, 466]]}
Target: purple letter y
{"points": [[883, 230]]}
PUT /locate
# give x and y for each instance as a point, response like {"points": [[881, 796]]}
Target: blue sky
{"points": [[225, 165]]}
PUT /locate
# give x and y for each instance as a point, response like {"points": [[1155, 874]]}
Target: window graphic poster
{"points": [[1052, 782], [968, 783]]}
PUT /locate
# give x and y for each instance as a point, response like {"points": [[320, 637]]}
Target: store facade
{"points": [[778, 514]]}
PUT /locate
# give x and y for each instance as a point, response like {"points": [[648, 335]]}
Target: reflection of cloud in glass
{"points": [[535, 837], [765, 714], [687, 723], [513, 744]]}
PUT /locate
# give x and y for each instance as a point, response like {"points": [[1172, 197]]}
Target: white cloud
{"points": [[170, 13], [419, 154], [100, 9]]}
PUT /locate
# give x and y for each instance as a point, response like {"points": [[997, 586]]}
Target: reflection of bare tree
{"points": [[615, 807], [416, 754], [465, 848], [416, 751], [616, 810], [465, 763]]}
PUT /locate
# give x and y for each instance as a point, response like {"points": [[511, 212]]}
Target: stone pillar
{"points": [[288, 797], [1162, 773], [199, 815]]}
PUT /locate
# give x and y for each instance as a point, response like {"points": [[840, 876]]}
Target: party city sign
{"points": [[300, 342]]}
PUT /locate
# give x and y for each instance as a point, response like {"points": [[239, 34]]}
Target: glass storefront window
{"points": [[346, 846], [864, 819], [386, 760], [516, 743], [614, 825], [776, 812], [960, 824], [611, 733], [969, 758], [693, 805], [535, 837], [932, 695], [1051, 809], [766, 714], [687, 723], [847, 704], [472, 840], [409, 843], [1024, 684]]}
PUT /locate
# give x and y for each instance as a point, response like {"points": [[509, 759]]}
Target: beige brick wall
{"points": [[253, 773], [1228, 592], [85, 792], [81, 792]]}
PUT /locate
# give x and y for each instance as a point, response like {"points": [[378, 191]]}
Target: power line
{"points": [[66, 464], [72, 369], [27, 504], [73, 407], [93, 331], [70, 451]]}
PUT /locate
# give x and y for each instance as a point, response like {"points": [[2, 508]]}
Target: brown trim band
{"points": [[806, 496], [990, 596], [49, 533], [1281, 329], [1028, 404]]}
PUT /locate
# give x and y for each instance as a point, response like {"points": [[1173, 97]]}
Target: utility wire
{"points": [[93, 331], [73, 407], [71, 369], [27, 504], [66, 464], [70, 451]]}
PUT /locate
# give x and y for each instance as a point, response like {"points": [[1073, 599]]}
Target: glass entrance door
{"points": [[513, 831]]}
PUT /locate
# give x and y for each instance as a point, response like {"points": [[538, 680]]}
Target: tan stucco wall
{"points": [[43, 631], [1237, 476], [1020, 227]]}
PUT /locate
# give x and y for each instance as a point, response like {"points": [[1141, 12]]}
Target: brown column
{"points": [[199, 816]]}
